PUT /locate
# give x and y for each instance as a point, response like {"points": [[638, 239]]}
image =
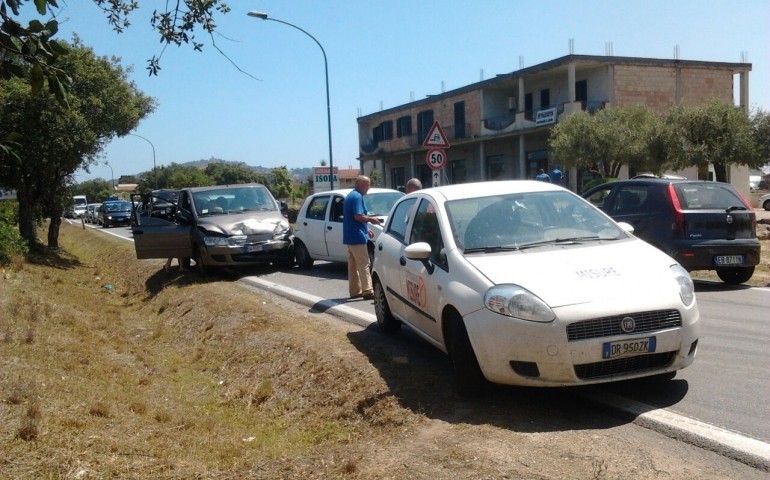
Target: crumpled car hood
{"points": [[248, 223]]}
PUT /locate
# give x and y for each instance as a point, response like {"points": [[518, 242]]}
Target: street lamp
{"points": [[264, 16], [154, 168], [112, 175]]}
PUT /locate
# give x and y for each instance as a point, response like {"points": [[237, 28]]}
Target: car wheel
{"points": [[735, 275], [105, 224], [385, 319], [304, 260], [200, 267], [469, 380], [766, 205]]}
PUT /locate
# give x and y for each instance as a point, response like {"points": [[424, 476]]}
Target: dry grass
{"points": [[113, 368]]}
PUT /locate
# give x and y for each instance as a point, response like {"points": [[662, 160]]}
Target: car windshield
{"points": [[379, 203], [118, 207], [527, 220], [229, 200]]}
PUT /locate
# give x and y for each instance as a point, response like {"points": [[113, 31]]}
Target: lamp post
{"points": [[112, 175], [154, 167], [264, 16]]}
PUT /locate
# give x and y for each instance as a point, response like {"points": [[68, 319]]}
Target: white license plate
{"points": [[728, 260], [253, 248], [628, 347]]}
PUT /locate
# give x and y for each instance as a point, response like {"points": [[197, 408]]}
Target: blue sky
{"points": [[381, 54]]}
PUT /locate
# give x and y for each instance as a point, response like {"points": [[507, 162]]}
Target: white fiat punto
{"points": [[525, 283]]}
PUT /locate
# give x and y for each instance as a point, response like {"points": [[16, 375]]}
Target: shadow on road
{"points": [[420, 377]]}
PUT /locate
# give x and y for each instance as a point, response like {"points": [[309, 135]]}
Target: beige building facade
{"points": [[499, 128]]}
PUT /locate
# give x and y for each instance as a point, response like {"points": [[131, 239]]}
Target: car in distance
{"points": [[92, 210], [764, 201], [318, 230], [114, 213], [703, 225], [525, 283], [218, 226]]}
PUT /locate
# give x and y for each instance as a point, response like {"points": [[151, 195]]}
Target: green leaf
{"points": [[37, 78], [41, 6]]}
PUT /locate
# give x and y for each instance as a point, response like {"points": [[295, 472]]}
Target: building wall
{"points": [[644, 85]]}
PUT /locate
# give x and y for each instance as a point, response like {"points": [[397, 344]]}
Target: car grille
{"points": [[624, 365], [610, 326]]}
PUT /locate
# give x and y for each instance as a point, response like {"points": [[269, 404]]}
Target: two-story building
{"points": [[499, 128]]}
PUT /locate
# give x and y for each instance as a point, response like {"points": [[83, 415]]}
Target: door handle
{"points": [[402, 261], [329, 228]]}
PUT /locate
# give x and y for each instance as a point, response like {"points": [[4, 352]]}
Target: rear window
{"points": [[708, 196]]}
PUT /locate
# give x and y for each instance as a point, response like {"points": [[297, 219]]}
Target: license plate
{"points": [[628, 347], [728, 260], [253, 248]]}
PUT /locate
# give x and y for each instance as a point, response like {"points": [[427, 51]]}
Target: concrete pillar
{"points": [[571, 81]]}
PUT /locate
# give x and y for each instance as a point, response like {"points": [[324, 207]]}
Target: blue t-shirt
{"points": [[353, 231]]}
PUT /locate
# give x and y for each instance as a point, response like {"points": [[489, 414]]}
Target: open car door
{"points": [[166, 236]]}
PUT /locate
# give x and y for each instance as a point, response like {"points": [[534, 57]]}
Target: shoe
{"points": [[368, 296], [357, 295]]}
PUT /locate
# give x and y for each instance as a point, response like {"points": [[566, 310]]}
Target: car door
{"points": [[338, 252], [389, 255], [421, 284], [630, 204], [160, 238], [313, 226]]}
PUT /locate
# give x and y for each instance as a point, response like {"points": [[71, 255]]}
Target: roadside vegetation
{"points": [[113, 368]]}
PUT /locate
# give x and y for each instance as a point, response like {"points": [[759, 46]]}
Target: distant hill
{"points": [[298, 174]]}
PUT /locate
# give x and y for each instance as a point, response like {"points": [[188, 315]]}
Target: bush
{"points": [[11, 242]]}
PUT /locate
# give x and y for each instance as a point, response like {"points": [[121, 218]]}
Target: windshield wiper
{"points": [[492, 249]]}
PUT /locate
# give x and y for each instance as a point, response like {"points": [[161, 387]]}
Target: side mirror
{"points": [[421, 252], [284, 209]]}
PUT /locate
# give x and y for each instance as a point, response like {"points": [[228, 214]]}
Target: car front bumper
{"points": [[245, 255], [518, 352]]}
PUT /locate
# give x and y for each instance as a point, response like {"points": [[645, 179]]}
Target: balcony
{"points": [[413, 141]]}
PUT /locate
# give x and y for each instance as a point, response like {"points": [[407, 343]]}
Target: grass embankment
{"points": [[113, 368]]}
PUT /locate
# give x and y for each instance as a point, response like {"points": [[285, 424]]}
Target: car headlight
{"points": [[215, 241], [515, 301], [686, 287]]}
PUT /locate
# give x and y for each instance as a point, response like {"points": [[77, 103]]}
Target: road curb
{"points": [[749, 451]]}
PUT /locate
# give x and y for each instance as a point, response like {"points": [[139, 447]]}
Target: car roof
{"points": [[220, 187], [345, 191], [660, 181], [484, 189]]}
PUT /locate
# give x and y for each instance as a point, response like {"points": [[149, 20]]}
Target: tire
{"points": [[199, 265], [385, 319], [469, 380], [766, 205], [302, 256], [735, 275]]}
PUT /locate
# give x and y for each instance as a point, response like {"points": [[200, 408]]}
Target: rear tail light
{"points": [[750, 209], [678, 225]]}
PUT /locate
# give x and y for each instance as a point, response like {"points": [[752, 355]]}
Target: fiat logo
{"points": [[729, 219], [628, 325]]}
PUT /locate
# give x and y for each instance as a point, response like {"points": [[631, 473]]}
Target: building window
{"points": [[581, 91], [460, 120], [528, 107], [424, 123], [496, 167], [458, 172], [404, 127], [383, 131], [545, 98], [397, 178]]}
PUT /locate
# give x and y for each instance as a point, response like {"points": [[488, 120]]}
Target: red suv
{"points": [[702, 225]]}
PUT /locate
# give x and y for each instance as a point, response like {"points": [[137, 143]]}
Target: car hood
{"points": [[248, 223], [577, 274]]}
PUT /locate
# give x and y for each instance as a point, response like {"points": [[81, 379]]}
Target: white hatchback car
{"points": [[525, 283], [318, 230]]}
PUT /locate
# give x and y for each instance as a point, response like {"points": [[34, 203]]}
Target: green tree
{"points": [[760, 123], [376, 177], [280, 185], [230, 173], [608, 140], [96, 190], [57, 141], [714, 133]]}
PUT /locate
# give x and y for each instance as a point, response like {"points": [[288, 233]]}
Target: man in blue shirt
{"points": [[355, 235], [542, 176]]}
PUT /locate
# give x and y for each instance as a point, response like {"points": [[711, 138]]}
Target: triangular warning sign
{"points": [[435, 138]]}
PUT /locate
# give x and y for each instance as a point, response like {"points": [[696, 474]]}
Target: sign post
{"points": [[322, 177], [436, 157]]}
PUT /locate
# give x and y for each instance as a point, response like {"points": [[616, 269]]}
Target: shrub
{"points": [[11, 242]]}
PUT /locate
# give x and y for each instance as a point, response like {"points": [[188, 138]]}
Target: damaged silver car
{"points": [[218, 226]]}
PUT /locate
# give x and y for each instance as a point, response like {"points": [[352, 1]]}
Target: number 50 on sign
{"points": [[436, 158]]}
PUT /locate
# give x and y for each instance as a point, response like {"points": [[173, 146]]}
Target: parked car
{"points": [[318, 230], [111, 214], [218, 226], [162, 203], [92, 210], [764, 201], [526, 283], [703, 225]]}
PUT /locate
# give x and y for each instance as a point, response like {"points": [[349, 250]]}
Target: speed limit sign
{"points": [[436, 158]]}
